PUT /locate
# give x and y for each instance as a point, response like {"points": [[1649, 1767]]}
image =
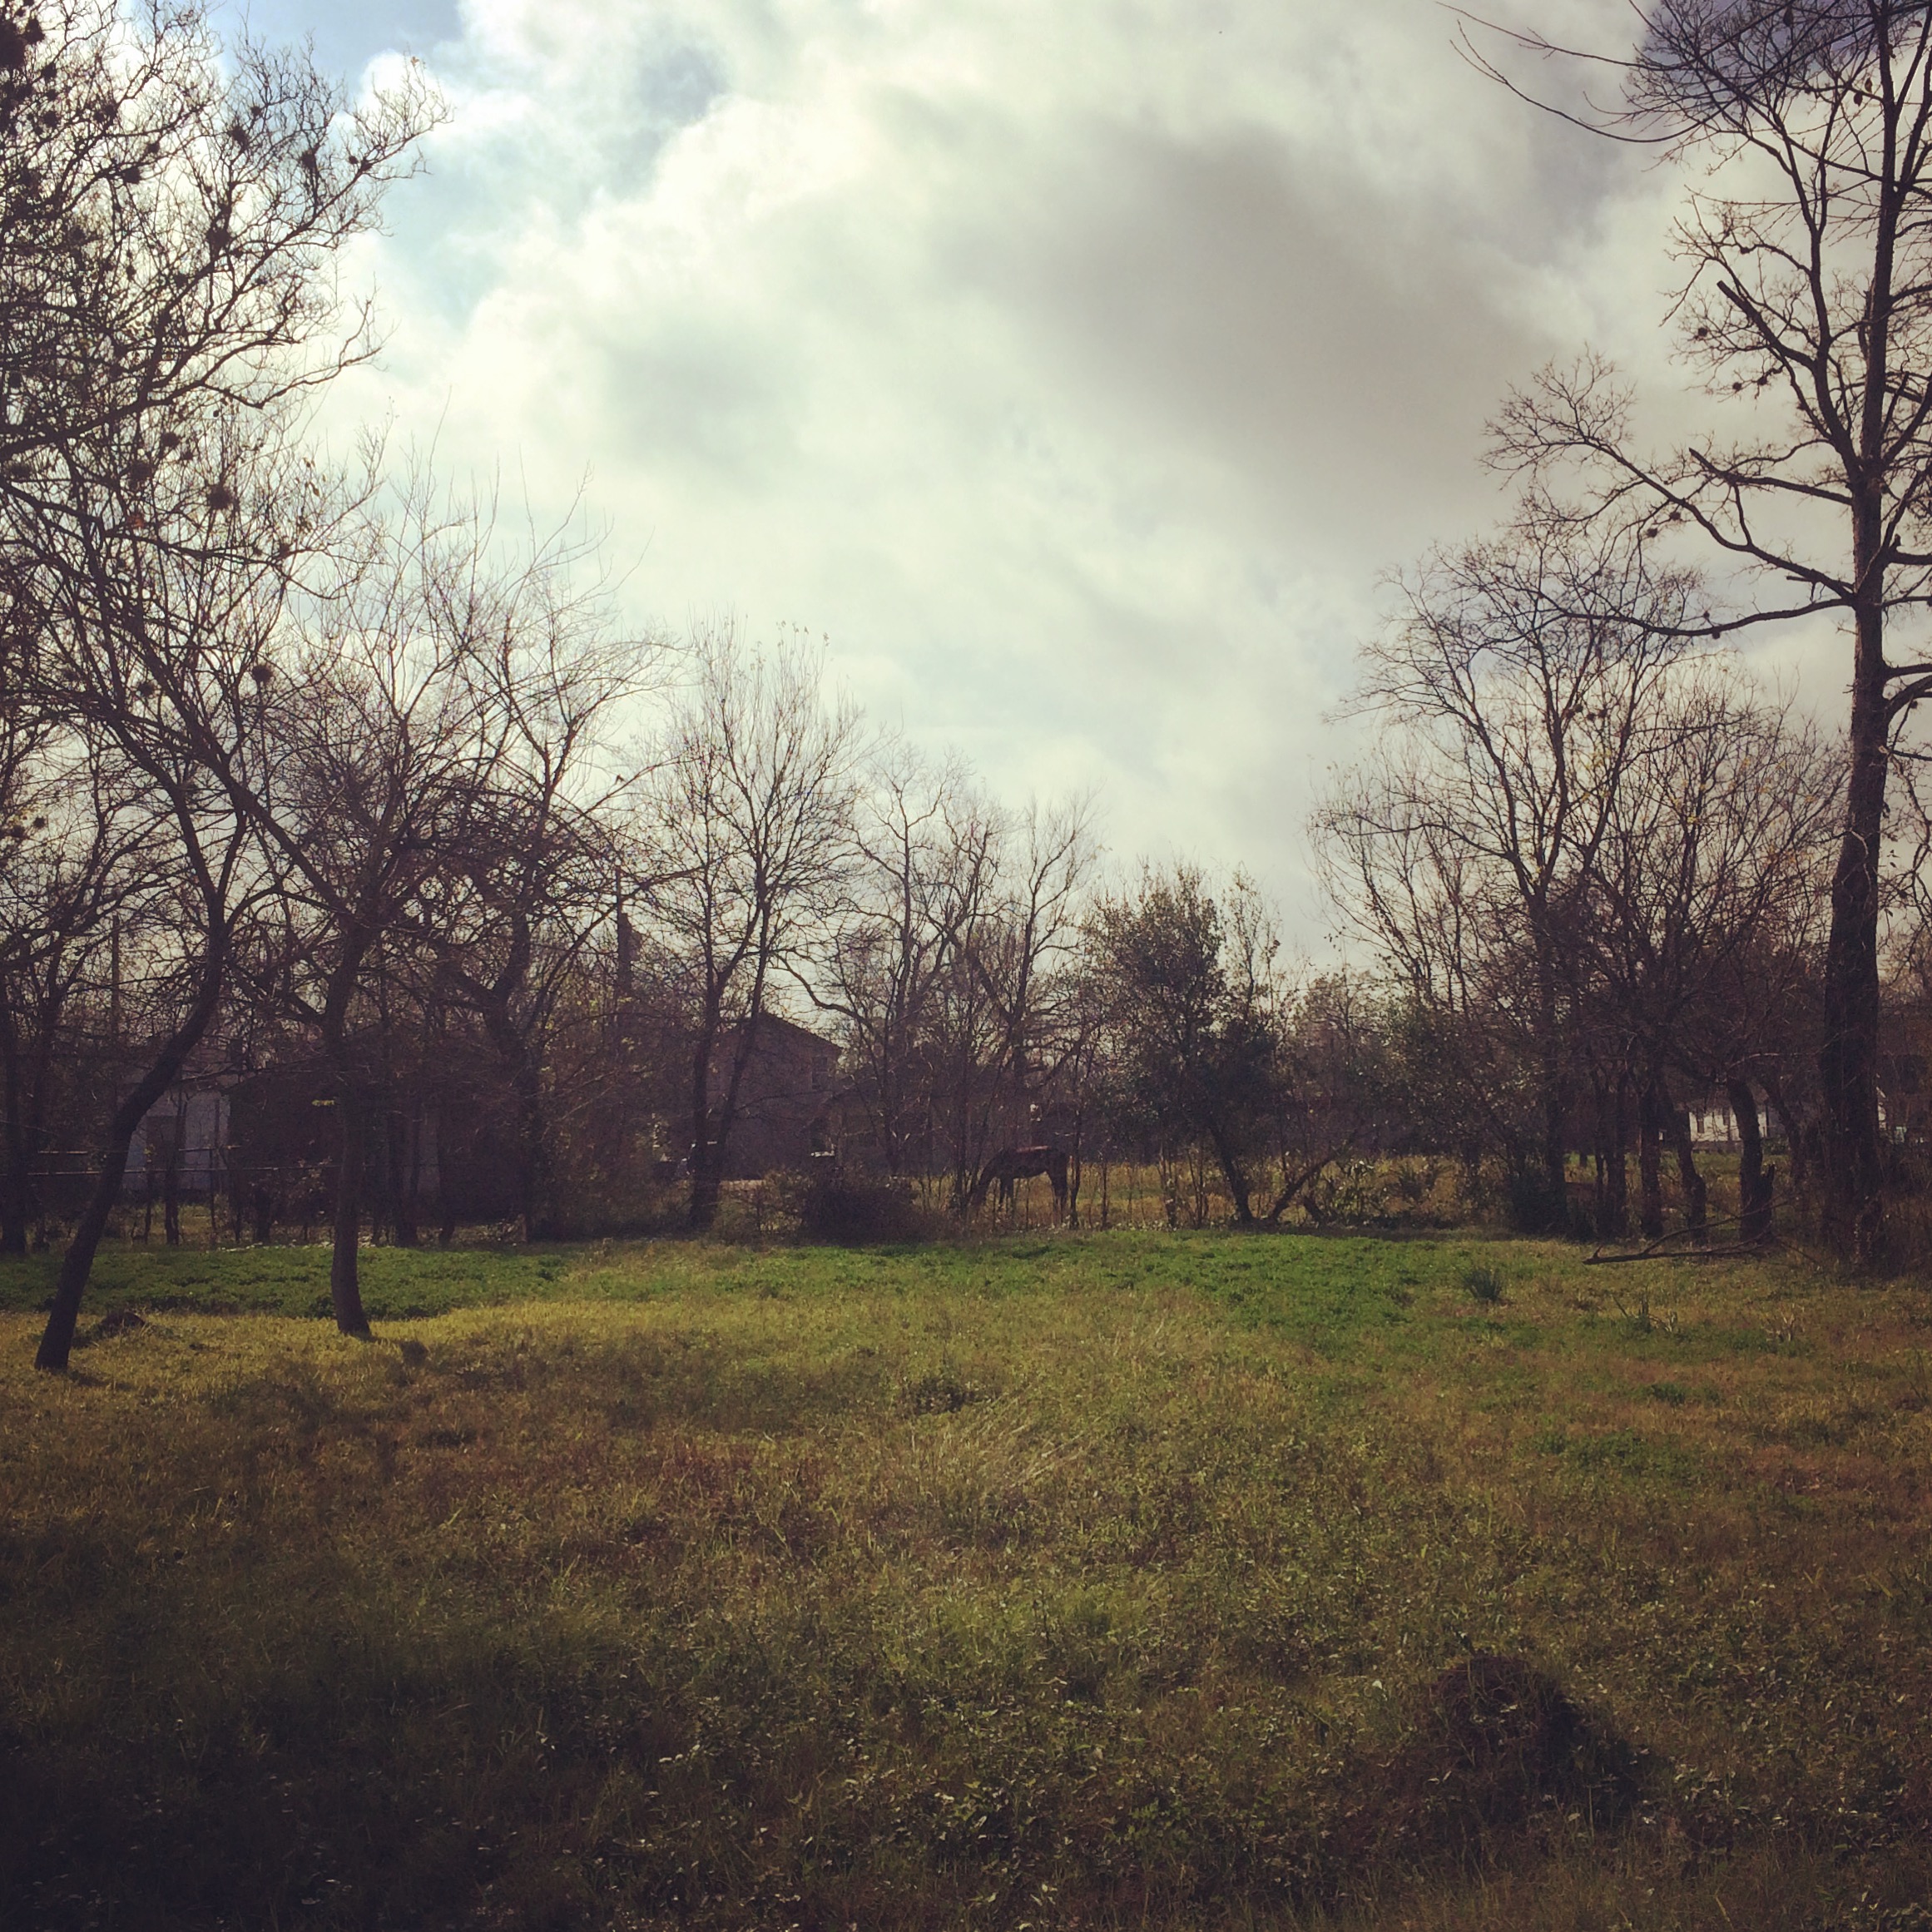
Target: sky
{"points": [[1078, 370]]}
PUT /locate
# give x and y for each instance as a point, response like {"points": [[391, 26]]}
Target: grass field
{"points": [[1125, 1580]]}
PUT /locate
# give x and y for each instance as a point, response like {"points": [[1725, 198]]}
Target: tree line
{"points": [[315, 763], [327, 766]]}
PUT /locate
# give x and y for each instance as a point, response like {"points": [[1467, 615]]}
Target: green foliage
{"points": [[1192, 1002]]}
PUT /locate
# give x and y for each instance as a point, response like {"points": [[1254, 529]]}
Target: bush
{"points": [[850, 1210], [1535, 1208]]}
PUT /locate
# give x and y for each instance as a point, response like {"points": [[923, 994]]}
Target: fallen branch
{"points": [[1661, 1245]]}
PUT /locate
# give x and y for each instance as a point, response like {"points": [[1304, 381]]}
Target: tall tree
{"points": [[171, 219], [151, 652], [1187, 980], [1512, 689], [424, 806], [920, 861], [1805, 129], [554, 675], [1700, 915], [1021, 953], [84, 861], [747, 830]]}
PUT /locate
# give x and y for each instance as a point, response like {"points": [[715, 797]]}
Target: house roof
{"points": [[772, 1025]]}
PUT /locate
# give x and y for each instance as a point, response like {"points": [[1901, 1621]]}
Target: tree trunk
{"points": [[352, 1138], [1696, 1194], [1600, 1156], [56, 1340], [1794, 1149], [445, 1192], [15, 1189], [172, 1178], [705, 1175], [1616, 1221], [171, 1199], [1237, 1183], [16, 1203], [1554, 1214], [1754, 1181], [706, 1186], [1848, 1062], [533, 1152], [524, 1079], [1650, 1176], [345, 1261], [1555, 1123], [406, 1137], [711, 1131]]}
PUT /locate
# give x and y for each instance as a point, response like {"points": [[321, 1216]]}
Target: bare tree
{"points": [[173, 211], [151, 652], [1807, 250], [545, 842], [424, 803], [747, 840], [1512, 691], [168, 237], [1013, 1016], [963, 1034], [1701, 912], [917, 862]]}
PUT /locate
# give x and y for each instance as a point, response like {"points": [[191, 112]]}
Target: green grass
{"points": [[1104, 1581]]}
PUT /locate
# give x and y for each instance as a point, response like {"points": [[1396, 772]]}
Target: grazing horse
{"points": [[1012, 1164]]}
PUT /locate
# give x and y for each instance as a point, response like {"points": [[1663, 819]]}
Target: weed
{"points": [[1491, 1743], [1644, 1321], [1483, 1285]]}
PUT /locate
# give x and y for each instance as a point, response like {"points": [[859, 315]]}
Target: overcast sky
{"points": [[1078, 368]]}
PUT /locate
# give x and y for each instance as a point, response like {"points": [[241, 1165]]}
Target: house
{"points": [[788, 1102], [1712, 1124]]}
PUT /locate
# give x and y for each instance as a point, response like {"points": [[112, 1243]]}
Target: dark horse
{"points": [[1014, 1164]]}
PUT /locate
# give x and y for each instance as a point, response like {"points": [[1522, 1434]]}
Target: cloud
{"points": [[1076, 370]]}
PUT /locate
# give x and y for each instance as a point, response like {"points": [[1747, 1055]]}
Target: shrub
{"points": [[940, 1391], [850, 1210], [1535, 1208]]}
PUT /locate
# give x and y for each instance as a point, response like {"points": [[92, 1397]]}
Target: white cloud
{"points": [[1076, 369]]}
